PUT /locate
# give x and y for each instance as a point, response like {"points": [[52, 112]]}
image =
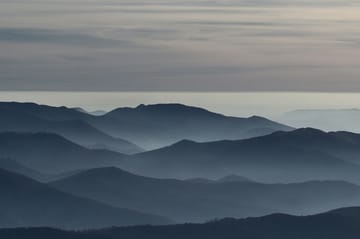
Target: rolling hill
{"points": [[299, 155], [13, 166], [337, 224], [28, 203], [29, 117], [154, 126], [187, 201], [52, 154], [150, 126]]}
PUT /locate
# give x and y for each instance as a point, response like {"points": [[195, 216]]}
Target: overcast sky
{"points": [[180, 45]]}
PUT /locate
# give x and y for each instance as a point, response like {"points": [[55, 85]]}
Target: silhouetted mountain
{"points": [[153, 126], [43, 111], [337, 224], [29, 117], [13, 166], [325, 119], [50, 153], [200, 180], [233, 178], [29, 203], [299, 155], [150, 126], [186, 201], [44, 233], [228, 178], [344, 145]]}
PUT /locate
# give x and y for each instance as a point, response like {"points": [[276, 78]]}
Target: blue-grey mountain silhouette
{"points": [[153, 126], [150, 126], [14, 166], [299, 155], [69, 123], [187, 201], [337, 224], [53, 154], [28, 203]]}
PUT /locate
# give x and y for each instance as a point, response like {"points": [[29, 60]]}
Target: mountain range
{"points": [[187, 201], [293, 156], [156, 165], [155, 126], [14, 166], [149, 126], [52, 154], [69, 123], [337, 224], [28, 203], [299, 155]]}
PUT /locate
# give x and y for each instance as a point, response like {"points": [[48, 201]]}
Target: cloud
{"points": [[179, 45], [51, 36], [232, 23]]}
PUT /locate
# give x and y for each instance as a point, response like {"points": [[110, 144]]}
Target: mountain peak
{"points": [[184, 142], [105, 172], [347, 212], [165, 108], [234, 178], [308, 130], [300, 132], [141, 106], [172, 107], [256, 117]]}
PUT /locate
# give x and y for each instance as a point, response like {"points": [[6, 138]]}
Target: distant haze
{"points": [[180, 45]]}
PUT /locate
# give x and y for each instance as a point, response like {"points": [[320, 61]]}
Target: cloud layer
{"points": [[271, 45]]}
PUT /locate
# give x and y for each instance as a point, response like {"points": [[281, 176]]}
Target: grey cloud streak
{"points": [[179, 45], [51, 36]]}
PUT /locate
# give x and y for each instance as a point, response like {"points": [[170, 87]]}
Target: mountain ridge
{"points": [[30, 203], [52, 154], [158, 125], [31, 117], [336, 224], [300, 154], [188, 201]]}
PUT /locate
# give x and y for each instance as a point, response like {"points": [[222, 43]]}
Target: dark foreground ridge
{"points": [[337, 224]]}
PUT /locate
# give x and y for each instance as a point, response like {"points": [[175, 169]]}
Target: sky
{"points": [[180, 45]]}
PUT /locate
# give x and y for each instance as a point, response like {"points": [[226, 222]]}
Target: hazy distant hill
{"points": [[26, 203], [341, 144], [50, 153], [13, 166], [187, 201], [225, 179], [234, 178], [150, 126], [299, 155], [29, 117], [153, 126], [325, 119], [337, 224]]}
